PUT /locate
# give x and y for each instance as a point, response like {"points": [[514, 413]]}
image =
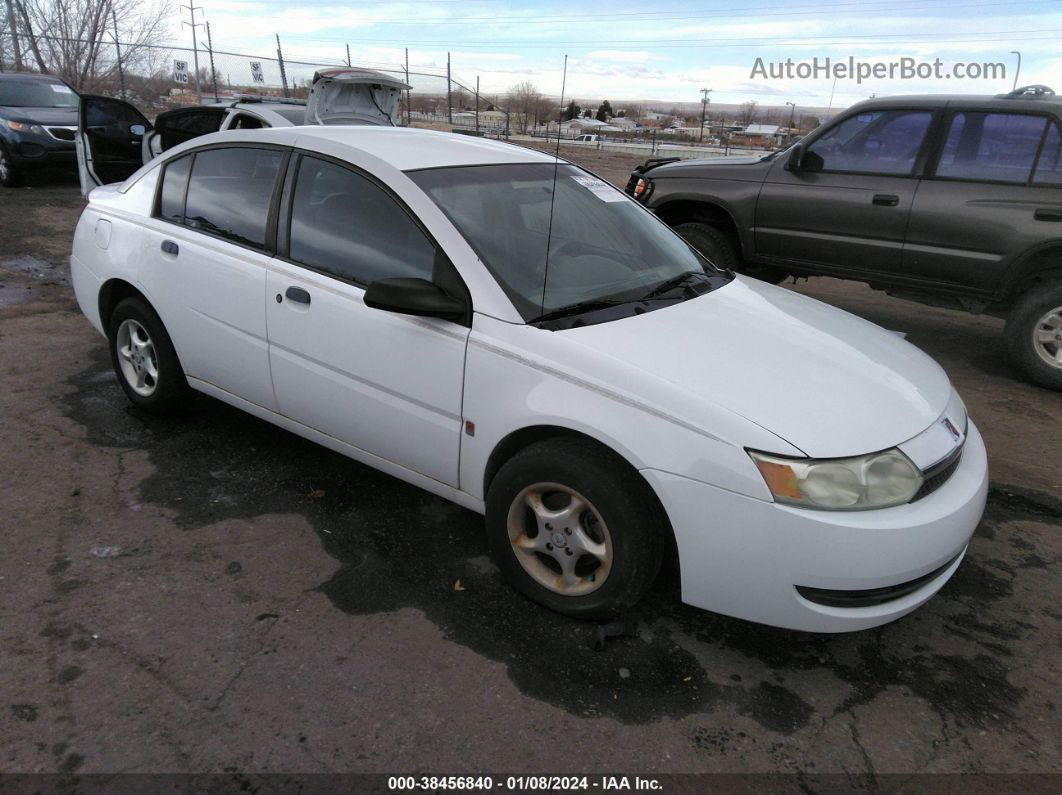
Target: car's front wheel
{"points": [[144, 359], [574, 528], [715, 245], [9, 176], [1034, 335]]}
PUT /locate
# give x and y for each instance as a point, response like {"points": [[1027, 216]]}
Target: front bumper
{"points": [[41, 151], [745, 557]]}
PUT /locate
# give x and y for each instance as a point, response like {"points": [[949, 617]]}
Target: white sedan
{"points": [[509, 332]]}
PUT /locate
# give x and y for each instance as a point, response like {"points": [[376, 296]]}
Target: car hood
{"points": [[827, 382], [66, 117], [354, 96]]}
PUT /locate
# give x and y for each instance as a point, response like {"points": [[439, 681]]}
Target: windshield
{"points": [[36, 94], [603, 246]]}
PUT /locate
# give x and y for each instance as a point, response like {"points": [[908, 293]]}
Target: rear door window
{"points": [[876, 142], [346, 225], [230, 192], [991, 147]]}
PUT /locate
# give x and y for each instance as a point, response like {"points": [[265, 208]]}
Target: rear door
{"points": [[177, 126], [987, 200], [109, 141], [846, 209]]}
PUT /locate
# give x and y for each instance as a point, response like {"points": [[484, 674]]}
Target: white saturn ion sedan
{"points": [[509, 332]]}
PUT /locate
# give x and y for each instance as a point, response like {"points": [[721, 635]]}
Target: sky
{"points": [[625, 50]]}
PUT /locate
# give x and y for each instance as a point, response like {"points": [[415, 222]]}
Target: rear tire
{"points": [[1034, 335], [9, 174], [575, 528], [715, 245], [144, 359]]}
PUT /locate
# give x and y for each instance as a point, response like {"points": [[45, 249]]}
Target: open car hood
{"points": [[354, 96]]}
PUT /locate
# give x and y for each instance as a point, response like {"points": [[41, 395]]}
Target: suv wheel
{"points": [[574, 528], [714, 244], [8, 173], [1034, 335], [144, 359]]}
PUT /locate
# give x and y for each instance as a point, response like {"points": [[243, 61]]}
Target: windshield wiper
{"points": [[672, 283], [583, 306]]}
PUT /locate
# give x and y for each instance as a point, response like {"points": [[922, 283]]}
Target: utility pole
{"points": [[477, 104], [408, 97], [280, 60], [704, 110], [118, 54], [792, 112], [213, 73], [449, 99], [195, 50]]}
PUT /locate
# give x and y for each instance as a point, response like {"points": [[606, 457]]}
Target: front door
{"points": [[847, 206], [177, 126], [388, 384], [109, 141]]}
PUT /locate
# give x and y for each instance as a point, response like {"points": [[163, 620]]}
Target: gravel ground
{"points": [[211, 594]]}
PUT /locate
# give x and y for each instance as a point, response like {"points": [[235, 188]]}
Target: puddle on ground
{"points": [[396, 546]]}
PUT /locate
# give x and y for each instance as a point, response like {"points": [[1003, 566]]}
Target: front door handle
{"points": [[298, 295], [170, 247], [886, 199], [1047, 215]]}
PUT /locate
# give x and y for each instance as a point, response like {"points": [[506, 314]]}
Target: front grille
{"points": [[938, 474], [871, 596], [61, 133]]}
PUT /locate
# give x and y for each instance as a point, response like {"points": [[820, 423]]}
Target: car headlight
{"points": [[879, 480], [21, 126]]}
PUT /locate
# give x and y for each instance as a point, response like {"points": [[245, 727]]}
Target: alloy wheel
{"points": [[560, 539], [1047, 337], [137, 357]]}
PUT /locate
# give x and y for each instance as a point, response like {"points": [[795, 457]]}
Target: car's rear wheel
{"points": [[574, 528], [1034, 335], [9, 176], [714, 244], [144, 359]]}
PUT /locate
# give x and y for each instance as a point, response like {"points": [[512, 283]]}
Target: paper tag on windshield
{"points": [[58, 89], [599, 188]]}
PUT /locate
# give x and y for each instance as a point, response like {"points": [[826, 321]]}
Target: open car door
{"points": [[354, 96], [177, 126], [109, 141]]}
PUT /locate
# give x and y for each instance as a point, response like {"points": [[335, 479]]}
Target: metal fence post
{"points": [[280, 60], [477, 104], [449, 96], [213, 73], [408, 97], [118, 54]]}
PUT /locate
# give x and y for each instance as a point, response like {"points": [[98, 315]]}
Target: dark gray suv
{"points": [[38, 121], [954, 201]]}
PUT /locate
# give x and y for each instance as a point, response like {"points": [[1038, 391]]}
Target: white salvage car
{"points": [[515, 335]]}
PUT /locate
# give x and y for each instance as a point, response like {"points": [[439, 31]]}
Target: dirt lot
{"points": [[212, 594]]}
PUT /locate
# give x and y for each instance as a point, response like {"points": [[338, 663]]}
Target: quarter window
{"points": [[995, 147], [174, 181], [1049, 167], [876, 142], [230, 191], [344, 224]]}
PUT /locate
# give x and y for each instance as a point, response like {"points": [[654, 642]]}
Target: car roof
{"points": [[405, 148], [1000, 102], [29, 76]]}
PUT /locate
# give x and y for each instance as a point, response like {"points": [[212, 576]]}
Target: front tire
{"points": [[144, 359], [715, 245], [574, 528], [9, 174], [1034, 335]]}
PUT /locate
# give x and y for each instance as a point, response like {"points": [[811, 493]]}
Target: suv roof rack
{"points": [[1036, 91]]}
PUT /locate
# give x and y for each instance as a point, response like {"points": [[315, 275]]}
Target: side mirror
{"points": [[413, 297], [796, 158], [137, 129]]}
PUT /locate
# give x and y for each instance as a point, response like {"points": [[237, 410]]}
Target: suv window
{"points": [[875, 142], [998, 147], [230, 191], [1049, 167], [171, 196], [344, 224]]}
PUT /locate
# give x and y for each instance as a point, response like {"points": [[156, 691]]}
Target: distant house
{"points": [[623, 123], [765, 135], [584, 125]]}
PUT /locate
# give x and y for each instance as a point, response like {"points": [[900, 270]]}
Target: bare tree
{"points": [[524, 100], [748, 112], [74, 39]]}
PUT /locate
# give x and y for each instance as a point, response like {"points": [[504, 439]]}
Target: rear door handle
{"points": [[1048, 215], [298, 295], [170, 247], [886, 199]]}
